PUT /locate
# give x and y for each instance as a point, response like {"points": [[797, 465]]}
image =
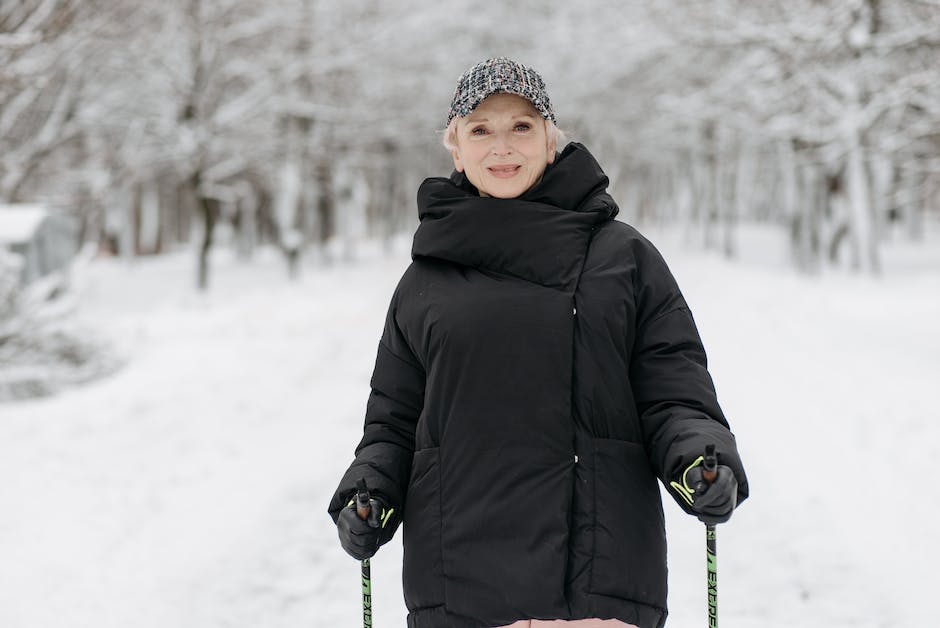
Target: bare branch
{"points": [[20, 40]]}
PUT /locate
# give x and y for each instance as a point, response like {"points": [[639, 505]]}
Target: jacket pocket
{"points": [[423, 576], [629, 560]]}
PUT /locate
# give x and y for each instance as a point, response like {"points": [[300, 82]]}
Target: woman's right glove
{"points": [[361, 538]]}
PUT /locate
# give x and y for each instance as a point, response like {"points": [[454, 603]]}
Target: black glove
{"points": [[361, 538], [713, 503]]}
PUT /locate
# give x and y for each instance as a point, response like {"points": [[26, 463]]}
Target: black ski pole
{"points": [[363, 508], [709, 473]]}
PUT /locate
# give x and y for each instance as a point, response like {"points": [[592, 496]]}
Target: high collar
{"points": [[541, 237]]}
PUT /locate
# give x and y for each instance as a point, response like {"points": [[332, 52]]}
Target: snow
{"points": [[18, 223], [190, 488]]}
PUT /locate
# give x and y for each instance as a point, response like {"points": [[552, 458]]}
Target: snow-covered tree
{"points": [[158, 121], [40, 83], [849, 89]]}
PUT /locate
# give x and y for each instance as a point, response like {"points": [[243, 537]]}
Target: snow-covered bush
{"points": [[43, 346]]}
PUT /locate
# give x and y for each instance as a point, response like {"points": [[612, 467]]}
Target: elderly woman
{"points": [[538, 371]]}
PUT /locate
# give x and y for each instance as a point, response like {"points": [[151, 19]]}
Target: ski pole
{"points": [[363, 508], [709, 473]]}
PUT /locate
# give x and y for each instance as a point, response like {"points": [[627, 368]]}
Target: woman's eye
{"points": [[478, 131], [523, 126]]}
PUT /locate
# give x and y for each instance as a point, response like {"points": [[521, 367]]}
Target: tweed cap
{"points": [[494, 76]]}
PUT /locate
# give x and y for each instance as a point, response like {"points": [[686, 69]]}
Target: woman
{"points": [[539, 369]]}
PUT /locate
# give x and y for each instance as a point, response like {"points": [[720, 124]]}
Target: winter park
{"points": [[241, 240]]}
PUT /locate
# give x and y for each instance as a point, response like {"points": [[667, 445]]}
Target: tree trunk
{"points": [[185, 209], [207, 209], [790, 201], [288, 206], [814, 200], [247, 221], [389, 194], [148, 219], [863, 235], [681, 200], [710, 214], [882, 190], [912, 203], [128, 222], [745, 179], [137, 200], [729, 203], [168, 211]]}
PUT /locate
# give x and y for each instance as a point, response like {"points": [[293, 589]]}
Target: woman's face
{"points": [[502, 146]]}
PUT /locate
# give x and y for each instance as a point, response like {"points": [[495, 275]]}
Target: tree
{"points": [[840, 81], [40, 83]]}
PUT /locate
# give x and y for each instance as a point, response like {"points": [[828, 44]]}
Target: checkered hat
{"points": [[494, 76]]}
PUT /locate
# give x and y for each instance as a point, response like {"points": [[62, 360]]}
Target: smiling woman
{"points": [[503, 146], [538, 370]]}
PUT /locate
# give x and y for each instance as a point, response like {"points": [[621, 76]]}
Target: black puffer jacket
{"points": [[539, 369]]}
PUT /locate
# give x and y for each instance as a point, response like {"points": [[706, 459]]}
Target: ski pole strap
{"points": [[709, 464], [682, 487]]}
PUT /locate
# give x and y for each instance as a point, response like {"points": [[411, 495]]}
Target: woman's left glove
{"points": [[713, 503], [361, 538]]}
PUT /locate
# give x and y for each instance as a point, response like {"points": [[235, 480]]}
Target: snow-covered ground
{"points": [[189, 489]]}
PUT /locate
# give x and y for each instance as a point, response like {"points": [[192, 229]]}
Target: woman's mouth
{"points": [[504, 172]]}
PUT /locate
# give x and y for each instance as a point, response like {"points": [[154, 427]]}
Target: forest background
{"points": [[305, 122]]}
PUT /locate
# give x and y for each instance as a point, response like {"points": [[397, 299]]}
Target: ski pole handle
{"points": [[363, 507], [710, 464]]}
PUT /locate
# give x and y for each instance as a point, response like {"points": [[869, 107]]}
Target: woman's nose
{"points": [[501, 145]]}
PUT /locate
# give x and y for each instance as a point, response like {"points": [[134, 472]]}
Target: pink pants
{"points": [[579, 623]]}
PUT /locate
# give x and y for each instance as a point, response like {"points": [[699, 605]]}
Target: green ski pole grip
{"points": [[363, 508], [709, 473], [366, 594], [711, 558]]}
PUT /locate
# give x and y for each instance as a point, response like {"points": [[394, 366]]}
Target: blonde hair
{"points": [[552, 134]]}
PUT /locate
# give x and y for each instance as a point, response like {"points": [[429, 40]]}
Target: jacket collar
{"points": [[541, 237]]}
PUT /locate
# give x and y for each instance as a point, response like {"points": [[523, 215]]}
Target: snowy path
{"points": [[189, 489]]}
